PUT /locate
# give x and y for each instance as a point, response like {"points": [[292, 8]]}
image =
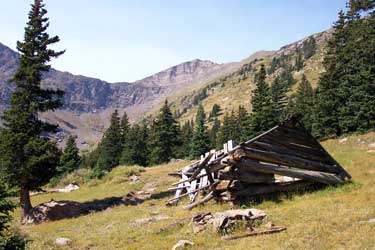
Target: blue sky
{"points": [[126, 40]]}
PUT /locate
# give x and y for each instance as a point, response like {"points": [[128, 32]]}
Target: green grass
{"points": [[325, 219]]}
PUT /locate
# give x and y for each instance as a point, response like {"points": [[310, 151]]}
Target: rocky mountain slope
{"points": [[90, 101], [235, 88]]}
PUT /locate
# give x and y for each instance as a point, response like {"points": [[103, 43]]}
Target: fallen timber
{"points": [[282, 159]]}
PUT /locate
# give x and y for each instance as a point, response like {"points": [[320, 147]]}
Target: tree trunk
{"points": [[25, 202]]}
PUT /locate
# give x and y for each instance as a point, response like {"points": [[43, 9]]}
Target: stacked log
{"points": [[282, 159]]}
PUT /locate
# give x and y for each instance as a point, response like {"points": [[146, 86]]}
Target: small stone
{"points": [[62, 241], [182, 244], [371, 220], [270, 224], [370, 151], [134, 178], [343, 140], [372, 145]]}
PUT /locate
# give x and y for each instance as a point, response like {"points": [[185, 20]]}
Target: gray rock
{"points": [[63, 241]]}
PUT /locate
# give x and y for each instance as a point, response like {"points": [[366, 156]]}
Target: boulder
{"points": [[55, 210], [223, 220]]}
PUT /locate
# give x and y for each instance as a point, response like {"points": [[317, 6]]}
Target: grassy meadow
{"points": [[332, 218]]}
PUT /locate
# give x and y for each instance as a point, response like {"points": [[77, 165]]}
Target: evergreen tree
{"points": [[286, 77], [298, 65], [261, 92], [29, 159], [125, 126], [357, 84], [8, 240], [262, 116], [186, 137], [346, 92], [279, 99], [273, 66], [135, 150], [70, 159], [243, 122], [213, 133], [229, 130], [200, 143], [304, 102], [216, 109], [110, 147], [309, 47], [165, 136]]}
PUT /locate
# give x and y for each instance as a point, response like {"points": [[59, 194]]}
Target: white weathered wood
{"points": [[225, 148], [230, 145], [193, 186]]}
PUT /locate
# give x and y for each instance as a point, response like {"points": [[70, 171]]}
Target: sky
{"points": [[127, 40]]}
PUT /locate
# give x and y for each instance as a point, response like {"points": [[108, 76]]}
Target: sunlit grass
{"points": [[325, 219]]}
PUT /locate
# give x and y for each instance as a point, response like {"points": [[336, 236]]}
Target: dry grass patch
{"points": [[333, 218]]}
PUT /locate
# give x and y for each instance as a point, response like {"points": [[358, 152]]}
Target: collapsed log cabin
{"points": [[285, 158]]}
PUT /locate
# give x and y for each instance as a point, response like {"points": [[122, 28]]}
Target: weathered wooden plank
{"points": [[254, 233], [296, 173], [288, 160], [202, 164], [301, 135], [246, 176], [205, 199], [228, 184], [292, 139], [345, 173], [283, 150], [294, 147], [192, 187], [187, 193]]}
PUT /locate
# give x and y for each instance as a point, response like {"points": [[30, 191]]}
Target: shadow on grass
{"points": [[278, 197]]}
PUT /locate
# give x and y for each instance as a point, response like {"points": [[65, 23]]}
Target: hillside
{"points": [[234, 89], [332, 218], [90, 101]]}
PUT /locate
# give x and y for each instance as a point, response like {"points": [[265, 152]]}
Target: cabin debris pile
{"points": [[285, 158]]}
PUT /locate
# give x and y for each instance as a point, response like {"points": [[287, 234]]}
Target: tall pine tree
{"points": [[262, 117], [165, 136], [8, 240], [135, 149], [125, 126], [29, 159], [110, 147], [70, 159], [200, 143], [327, 94], [279, 100], [303, 102]]}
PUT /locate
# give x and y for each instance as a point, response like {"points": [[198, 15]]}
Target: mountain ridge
{"points": [[91, 100]]}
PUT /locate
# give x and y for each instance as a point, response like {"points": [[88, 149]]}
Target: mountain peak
{"points": [[182, 73]]}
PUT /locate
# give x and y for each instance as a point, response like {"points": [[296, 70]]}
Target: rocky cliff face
{"points": [[89, 101]]}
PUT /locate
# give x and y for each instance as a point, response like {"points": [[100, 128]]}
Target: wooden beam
{"points": [[190, 192], [283, 159], [254, 233], [283, 150], [246, 176], [207, 198], [296, 173]]}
